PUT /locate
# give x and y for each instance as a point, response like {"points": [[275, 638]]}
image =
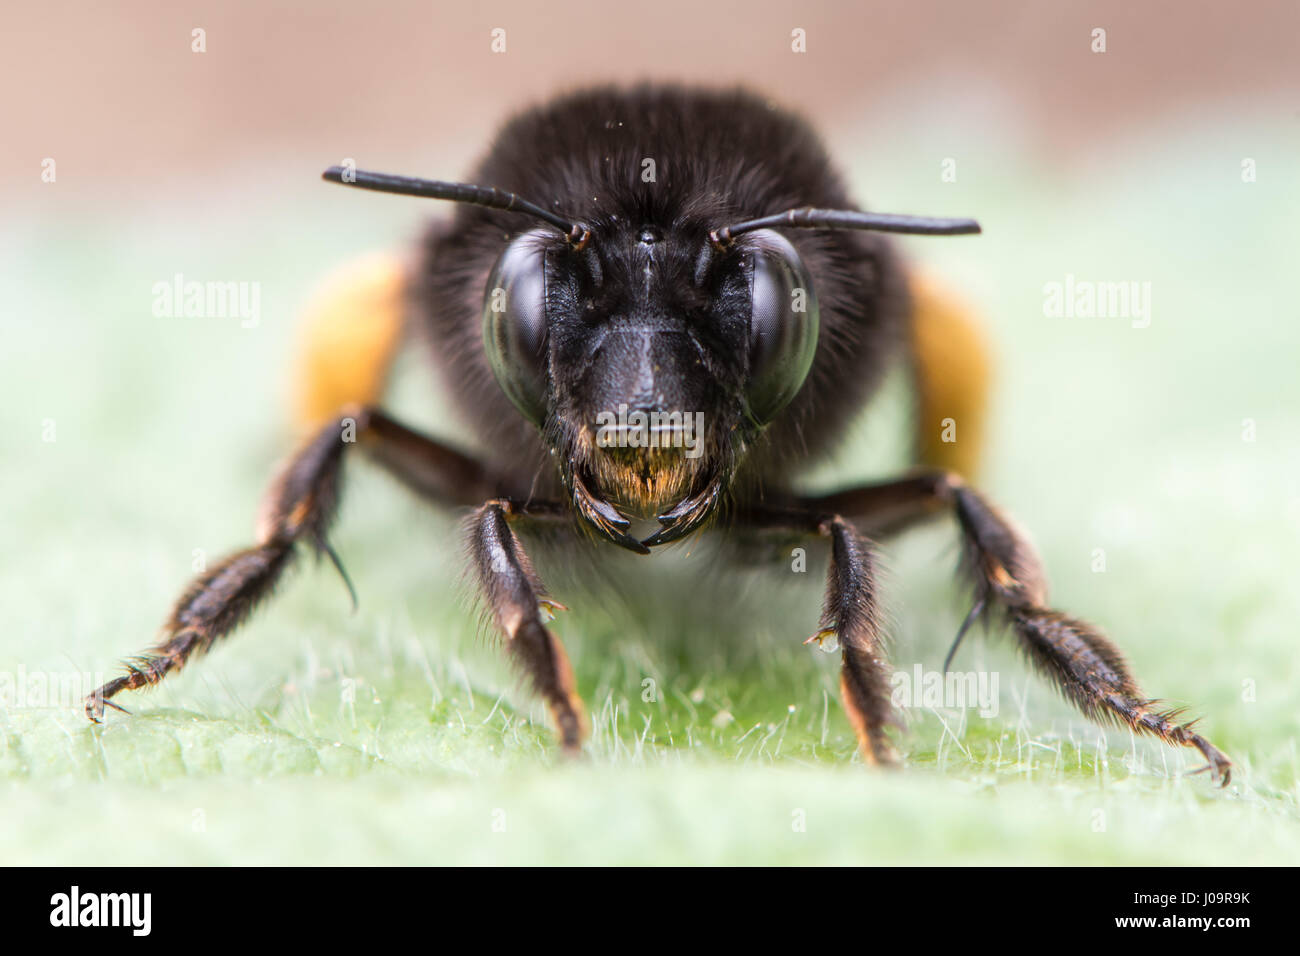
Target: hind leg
{"points": [[1008, 579], [298, 510]]}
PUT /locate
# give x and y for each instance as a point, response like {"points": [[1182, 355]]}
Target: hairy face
{"points": [[650, 358]]}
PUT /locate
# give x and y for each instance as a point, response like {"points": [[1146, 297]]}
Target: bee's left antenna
{"points": [[456, 192]]}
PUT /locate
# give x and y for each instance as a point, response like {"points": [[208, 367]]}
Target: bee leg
{"points": [[851, 614], [298, 508], [516, 598], [851, 617], [1008, 578]]}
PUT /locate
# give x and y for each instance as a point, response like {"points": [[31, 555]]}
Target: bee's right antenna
{"points": [[808, 218], [456, 192]]}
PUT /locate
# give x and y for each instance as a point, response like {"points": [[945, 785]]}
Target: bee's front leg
{"points": [[518, 601], [850, 617], [851, 613]]}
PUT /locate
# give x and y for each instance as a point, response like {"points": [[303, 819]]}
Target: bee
{"points": [[651, 358]]}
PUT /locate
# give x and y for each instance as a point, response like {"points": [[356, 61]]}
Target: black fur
{"points": [[720, 157]]}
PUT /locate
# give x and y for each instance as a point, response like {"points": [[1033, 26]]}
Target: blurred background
{"points": [[115, 93], [1163, 150]]}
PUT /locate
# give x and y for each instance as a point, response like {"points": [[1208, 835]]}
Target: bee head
{"points": [[650, 355], [650, 358]]}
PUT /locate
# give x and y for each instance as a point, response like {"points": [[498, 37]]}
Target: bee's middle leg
{"points": [[1008, 577], [297, 510]]}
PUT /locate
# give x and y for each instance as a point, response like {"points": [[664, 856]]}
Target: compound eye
{"points": [[514, 324], [783, 326]]}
